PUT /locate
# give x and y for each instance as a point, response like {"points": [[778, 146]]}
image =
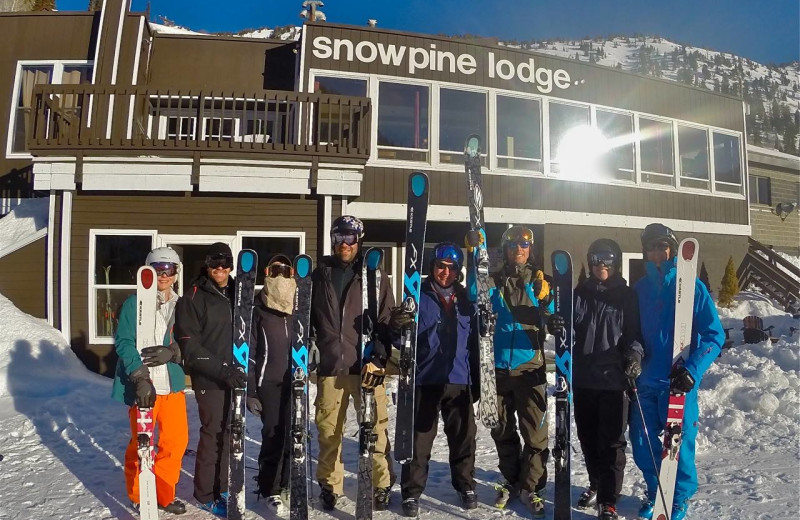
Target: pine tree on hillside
{"points": [[95, 5], [44, 5], [730, 285]]}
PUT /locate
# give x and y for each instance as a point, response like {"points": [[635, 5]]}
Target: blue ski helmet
{"points": [[450, 252]]}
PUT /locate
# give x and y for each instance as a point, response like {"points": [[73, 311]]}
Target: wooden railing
{"points": [[774, 275], [144, 120]]}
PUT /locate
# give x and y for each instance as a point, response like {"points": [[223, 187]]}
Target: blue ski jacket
{"points": [[656, 293]]}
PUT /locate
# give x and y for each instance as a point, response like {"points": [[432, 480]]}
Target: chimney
{"points": [[372, 22]]}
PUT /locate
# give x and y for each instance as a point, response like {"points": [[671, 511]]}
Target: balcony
{"points": [[265, 134]]}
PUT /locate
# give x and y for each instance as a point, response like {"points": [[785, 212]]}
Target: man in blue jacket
{"points": [[447, 368], [656, 293]]}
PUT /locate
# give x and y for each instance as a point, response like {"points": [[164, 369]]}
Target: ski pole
{"points": [[635, 390]]}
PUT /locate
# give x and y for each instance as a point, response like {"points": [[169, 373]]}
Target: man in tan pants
{"points": [[336, 313]]}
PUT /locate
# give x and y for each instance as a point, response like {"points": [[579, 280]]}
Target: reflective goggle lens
{"points": [[521, 244], [277, 269], [165, 268], [348, 239], [605, 258], [219, 262], [446, 265], [450, 253]]}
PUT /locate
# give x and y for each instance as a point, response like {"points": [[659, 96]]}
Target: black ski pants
{"points": [[601, 417], [454, 402], [273, 462], [521, 397], [213, 447]]}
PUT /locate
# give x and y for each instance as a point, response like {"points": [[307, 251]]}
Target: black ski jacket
{"points": [[606, 325], [271, 336], [338, 327], [204, 330]]}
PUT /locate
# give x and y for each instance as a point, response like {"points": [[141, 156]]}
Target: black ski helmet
{"points": [[605, 245], [655, 232], [347, 225]]}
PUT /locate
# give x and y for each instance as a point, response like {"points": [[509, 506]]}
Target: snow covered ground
{"points": [[62, 438]]}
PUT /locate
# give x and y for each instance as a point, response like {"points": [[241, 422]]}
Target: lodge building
{"points": [[141, 138]]}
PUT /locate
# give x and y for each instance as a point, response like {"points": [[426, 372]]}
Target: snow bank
{"points": [[23, 222]]}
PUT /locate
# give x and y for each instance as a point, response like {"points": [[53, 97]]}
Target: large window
{"points": [[403, 122], [269, 244], [727, 163], [760, 190], [693, 150], [335, 119], [519, 133], [655, 139], [42, 74], [116, 257], [617, 131], [565, 123], [461, 113]]}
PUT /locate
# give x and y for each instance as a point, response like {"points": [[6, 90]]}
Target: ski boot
{"points": [[646, 511], [607, 512], [469, 499], [276, 504], [679, 510], [588, 498], [382, 497], [328, 498], [534, 502], [176, 507], [218, 507], [505, 492], [410, 507]]}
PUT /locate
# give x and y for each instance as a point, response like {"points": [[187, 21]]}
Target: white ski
{"points": [[146, 296]]}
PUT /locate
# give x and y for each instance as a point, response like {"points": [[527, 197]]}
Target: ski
{"points": [[370, 290], [479, 263], [562, 293], [416, 222], [301, 318], [146, 297], [242, 315], [684, 308]]}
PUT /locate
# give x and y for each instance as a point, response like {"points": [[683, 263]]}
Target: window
{"points": [[693, 150], [115, 258], [269, 244], [655, 139], [181, 128], [617, 131], [218, 129], [335, 120], [564, 119], [461, 113], [727, 164], [30, 75], [340, 86], [760, 190], [519, 133], [403, 122]]}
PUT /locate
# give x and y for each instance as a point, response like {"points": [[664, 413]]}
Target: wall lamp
{"points": [[782, 209]]}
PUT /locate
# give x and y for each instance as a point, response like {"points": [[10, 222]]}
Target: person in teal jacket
{"points": [[153, 378], [656, 292]]}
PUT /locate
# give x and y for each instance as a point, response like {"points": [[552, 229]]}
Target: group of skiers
{"points": [[622, 341]]}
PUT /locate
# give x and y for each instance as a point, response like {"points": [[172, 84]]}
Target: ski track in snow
{"points": [[63, 439]]}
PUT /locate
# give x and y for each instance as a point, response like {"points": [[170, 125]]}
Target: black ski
{"points": [[562, 292], [370, 290], [298, 496], [416, 222], [242, 316], [487, 408]]}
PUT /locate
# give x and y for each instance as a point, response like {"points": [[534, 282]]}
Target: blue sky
{"points": [[767, 31]]}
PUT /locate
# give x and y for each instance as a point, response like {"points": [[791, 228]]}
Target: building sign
{"points": [[415, 60]]}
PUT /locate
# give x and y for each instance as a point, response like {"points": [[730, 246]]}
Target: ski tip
{"points": [[247, 260], [374, 257], [688, 248], [302, 265], [418, 183], [561, 261], [147, 276], [472, 146]]}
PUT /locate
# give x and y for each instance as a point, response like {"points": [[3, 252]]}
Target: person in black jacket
{"points": [[203, 326], [606, 352], [269, 387], [446, 379]]}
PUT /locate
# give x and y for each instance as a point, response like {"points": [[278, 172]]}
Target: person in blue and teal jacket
{"points": [[153, 378], [522, 301], [656, 293]]}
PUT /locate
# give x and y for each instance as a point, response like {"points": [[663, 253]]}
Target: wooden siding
{"points": [[195, 215], [595, 83], [388, 185], [768, 228], [23, 280]]}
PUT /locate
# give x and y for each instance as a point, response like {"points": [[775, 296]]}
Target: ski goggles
{"points": [[657, 245], [445, 265], [347, 238], [606, 258], [277, 269], [165, 268], [522, 244], [450, 253], [219, 262], [518, 234]]}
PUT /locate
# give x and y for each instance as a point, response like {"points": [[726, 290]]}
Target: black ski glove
{"points": [[681, 380], [145, 391], [233, 377], [159, 355], [555, 323], [254, 405], [400, 319], [633, 364]]}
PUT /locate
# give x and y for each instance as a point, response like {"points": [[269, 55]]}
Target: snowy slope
{"points": [[63, 438]]}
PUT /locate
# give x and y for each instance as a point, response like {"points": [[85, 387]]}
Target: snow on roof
{"points": [[171, 29], [26, 223]]}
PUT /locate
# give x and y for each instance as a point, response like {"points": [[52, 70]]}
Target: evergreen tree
{"points": [[44, 5], [730, 285], [788, 139], [704, 277], [95, 5]]}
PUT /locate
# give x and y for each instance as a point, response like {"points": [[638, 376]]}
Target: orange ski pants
{"points": [[172, 432]]}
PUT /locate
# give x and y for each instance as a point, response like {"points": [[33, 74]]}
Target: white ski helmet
{"points": [[163, 254]]}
